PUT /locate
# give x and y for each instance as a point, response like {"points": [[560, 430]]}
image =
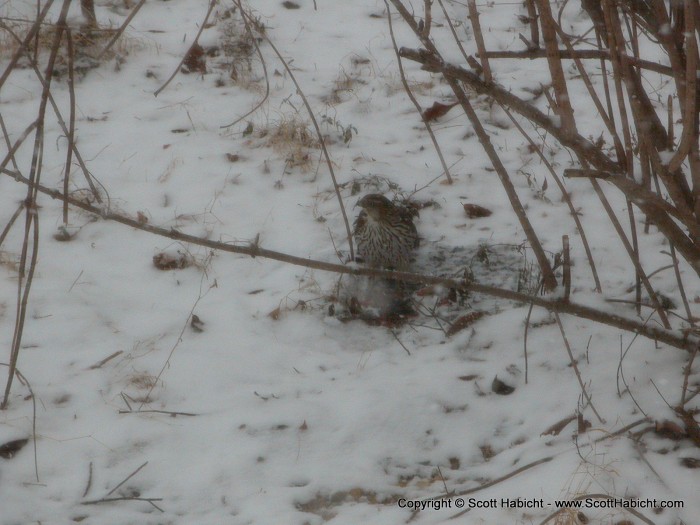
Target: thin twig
{"points": [[428, 18], [684, 341], [565, 195], [11, 151], [575, 367], [126, 479], [689, 113], [121, 29], [681, 288], [61, 121], [563, 107], [102, 362], [26, 383], [412, 97], [453, 31], [495, 481], [71, 129], [566, 267], [534, 29], [124, 498], [686, 376], [195, 42], [393, 332], [31, 208], [621, 372], [318, 133], [622, 430], [584, 148], [582, 54], [479, 37], [167, 412], [616, 47], [264, 66], [630, 251], [9, 224], [33, 32], [166, 364], [89, 481], [8, 143]]}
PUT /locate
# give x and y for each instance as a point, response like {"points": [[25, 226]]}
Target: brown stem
{"points": [[454, 32], [71, 130], [326, 155], [195, 42], [33, 32], [534, 28], [407, 88], [565, 195], [549, 279], [479, 37], [685, 341], [61, 121], [644, 199], [576, 370], [249, 31], [630, 251], [549, 35], [582, 54], [428, 18], [31, 217], [121, 29], [566, 267]]}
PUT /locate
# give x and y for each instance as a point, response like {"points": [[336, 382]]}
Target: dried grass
{"points": [[292, 137], [87, 44]]}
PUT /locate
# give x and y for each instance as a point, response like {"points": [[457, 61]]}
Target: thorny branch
{"points": [[682, 340]]}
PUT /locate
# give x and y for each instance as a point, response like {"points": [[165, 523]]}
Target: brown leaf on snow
{"points": [[501, 388], [487, 452], [464, 322], [557, 427], [690, 462], [194, 61], [166, 261], [474, 211], [670, 430], [9, 449], [437, 110], [196, 324], [583, 424]]}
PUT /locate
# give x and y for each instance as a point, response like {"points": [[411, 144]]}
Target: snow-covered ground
{"points": [[297, 417]]}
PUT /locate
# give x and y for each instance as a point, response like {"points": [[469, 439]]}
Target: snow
{"points": [[302, 417]]}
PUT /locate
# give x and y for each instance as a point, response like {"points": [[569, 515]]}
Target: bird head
{"points": [[375, 205]]}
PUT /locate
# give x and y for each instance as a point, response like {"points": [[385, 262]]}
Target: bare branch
{"points": [[685, 341]]}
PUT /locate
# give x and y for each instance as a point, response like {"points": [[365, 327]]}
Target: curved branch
{"points": [[327, 156], [195, 42], [682, 340]]}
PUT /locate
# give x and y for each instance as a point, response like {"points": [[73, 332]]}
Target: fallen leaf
{"points": [[194, 60], [464, 322], [474, 211], [9, 449], [437, 110], [501, 388], [557, 427]]}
